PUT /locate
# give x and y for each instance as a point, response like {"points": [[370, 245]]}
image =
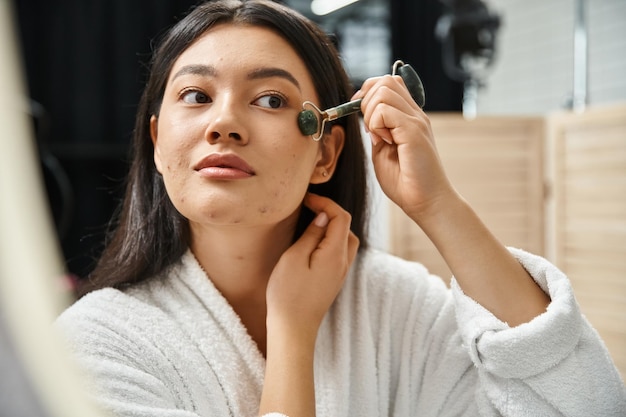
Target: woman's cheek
{"points": [[286, 194], [175, 188]]}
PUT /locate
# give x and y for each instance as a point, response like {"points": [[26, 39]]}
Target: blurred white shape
{"points": [[31, 267], [324, 7]]}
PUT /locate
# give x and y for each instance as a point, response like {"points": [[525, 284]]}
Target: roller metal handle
{"points": [[344, 109]]}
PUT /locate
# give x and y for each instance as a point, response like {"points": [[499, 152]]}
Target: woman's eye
{"points": [[271, 101], [195, 97]]}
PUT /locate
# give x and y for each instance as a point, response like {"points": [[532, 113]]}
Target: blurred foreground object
{"points": [[31, 268]]}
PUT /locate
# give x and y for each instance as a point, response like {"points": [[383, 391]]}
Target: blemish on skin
{"points": [[263, 210]]}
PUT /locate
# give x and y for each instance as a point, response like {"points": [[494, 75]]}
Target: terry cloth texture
{"points": [[396, 342]]}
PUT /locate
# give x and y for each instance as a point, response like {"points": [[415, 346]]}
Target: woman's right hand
{"points": [[309, 275], [303, 285]]}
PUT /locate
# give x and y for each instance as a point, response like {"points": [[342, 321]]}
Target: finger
{"points": [[405, 93], [365, 87], [384, 120], [319, 231], [385, 96], [312, 236], [374, 86], [353, 247], [318, 203], [377, 140], [339, 220], [385, 110]]}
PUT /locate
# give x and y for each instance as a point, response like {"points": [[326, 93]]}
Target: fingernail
{"points": [[321, 220]]}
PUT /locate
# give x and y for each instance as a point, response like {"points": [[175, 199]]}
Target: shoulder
{"points": [[117, 315], [115, 333], [105, 314], [139, 302], [106, 301], [114, 303]]}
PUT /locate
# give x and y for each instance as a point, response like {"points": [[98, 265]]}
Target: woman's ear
{"points": [[154, 121], [331, 146]]}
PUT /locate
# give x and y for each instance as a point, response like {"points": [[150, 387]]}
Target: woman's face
{"points": [[226, 139]]}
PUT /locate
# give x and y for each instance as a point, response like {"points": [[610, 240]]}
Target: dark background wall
{"points": [[85, 65]]}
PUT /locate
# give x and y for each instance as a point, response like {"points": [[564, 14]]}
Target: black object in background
{"points": [[414, 41], [85, 67]]}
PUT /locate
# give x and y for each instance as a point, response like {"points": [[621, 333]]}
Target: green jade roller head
{"points": [[312, 120]]}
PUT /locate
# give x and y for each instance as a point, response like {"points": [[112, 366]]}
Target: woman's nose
{"points": [[226, 123], [215, 135]]}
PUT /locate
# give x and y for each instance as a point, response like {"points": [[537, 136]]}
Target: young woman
{"points": [[239, 282]]}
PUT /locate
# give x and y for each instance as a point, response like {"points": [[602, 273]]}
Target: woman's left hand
{"points": [[404, 154], [410, 172]]}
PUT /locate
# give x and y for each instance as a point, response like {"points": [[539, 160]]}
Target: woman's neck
{"points": [[239, 260]]}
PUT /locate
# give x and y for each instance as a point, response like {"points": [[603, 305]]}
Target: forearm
{"points": [[289, 382], [482, 266]]}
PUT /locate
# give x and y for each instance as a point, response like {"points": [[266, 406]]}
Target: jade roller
{"points": [[312, 120]]}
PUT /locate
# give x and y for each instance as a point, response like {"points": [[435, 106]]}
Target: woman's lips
{"points": [[224, 166]]}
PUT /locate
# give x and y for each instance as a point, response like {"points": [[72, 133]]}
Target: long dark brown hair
{"points": [[148, 233]]}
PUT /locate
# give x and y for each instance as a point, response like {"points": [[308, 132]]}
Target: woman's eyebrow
{"points": [[197, 69], [256, 74], [269, 72]]}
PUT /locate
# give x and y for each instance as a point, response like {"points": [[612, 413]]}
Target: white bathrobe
{"points": [[396, 342]]}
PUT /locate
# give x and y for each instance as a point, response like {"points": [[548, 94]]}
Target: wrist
{"points": [[445, 205], [289, 372], [292, 331]]}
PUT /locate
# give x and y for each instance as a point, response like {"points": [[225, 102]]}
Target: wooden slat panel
{"points": [[589, 212]]}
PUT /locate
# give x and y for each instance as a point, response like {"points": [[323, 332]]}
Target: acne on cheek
{"points": [[283, 185], [173, 166]]}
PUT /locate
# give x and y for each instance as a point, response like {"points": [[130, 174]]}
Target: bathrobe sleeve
{"points": [[554, 365]]}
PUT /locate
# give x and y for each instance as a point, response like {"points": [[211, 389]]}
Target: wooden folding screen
{"points": [[496, 163], [587, 212]]}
